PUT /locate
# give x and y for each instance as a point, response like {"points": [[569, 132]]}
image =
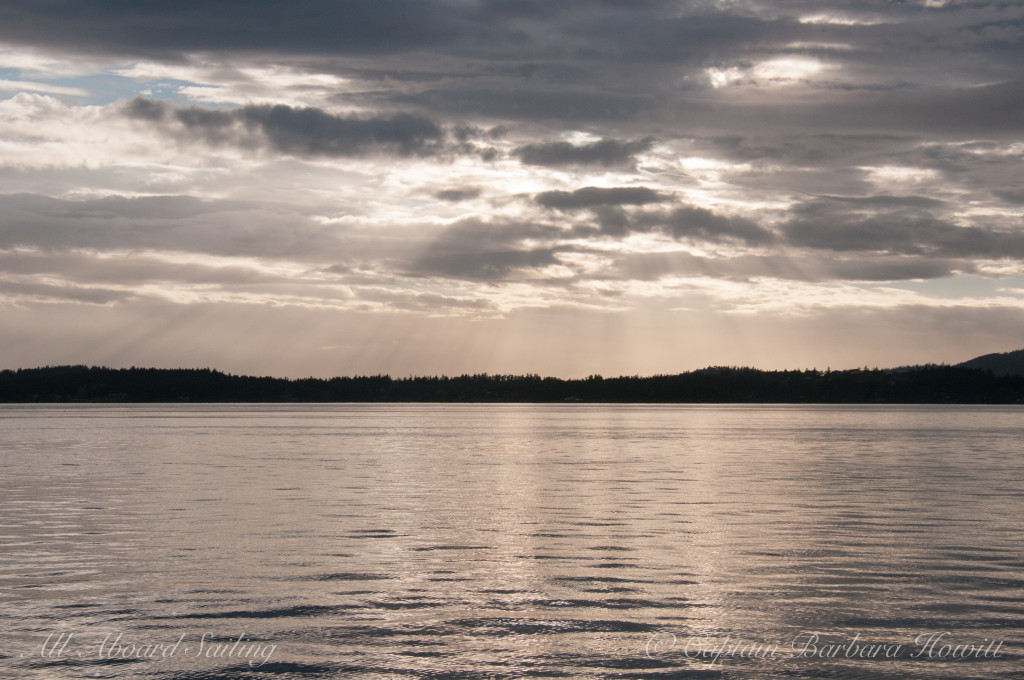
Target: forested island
{"points": [[928, 384]]}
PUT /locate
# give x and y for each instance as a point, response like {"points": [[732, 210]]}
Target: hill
{"points": [[1006, 363]]}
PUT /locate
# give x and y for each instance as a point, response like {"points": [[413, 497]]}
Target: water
{"points": [[511, 541]]}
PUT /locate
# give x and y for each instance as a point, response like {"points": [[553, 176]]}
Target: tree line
{"points": [[928, 384]]}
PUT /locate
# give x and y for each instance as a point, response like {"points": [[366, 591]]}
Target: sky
{"points": [[617, 187]]}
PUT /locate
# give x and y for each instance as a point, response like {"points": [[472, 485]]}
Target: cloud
{"points": [[884, 201], [895, 269], [431, 303], [515, 101], [701, 224], [456, 195], [1015, 196], [168, 223], [298, 131], [991, 109], [311, 132], [648, 30], [508, 250], [478, 250], [483, 265], [147, 109], [823, 225], [606, 206], [27, 86], [590, 197], [939, 108], [812, 268], [606, 152], [317, 26], [811, 148], [129, 268], [45, 292]]}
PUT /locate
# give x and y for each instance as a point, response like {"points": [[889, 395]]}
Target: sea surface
{"points": [[511, 541]]}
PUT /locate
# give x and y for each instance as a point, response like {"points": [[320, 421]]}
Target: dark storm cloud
{"points": [[606, 152], [590, 197], [298, 131]]}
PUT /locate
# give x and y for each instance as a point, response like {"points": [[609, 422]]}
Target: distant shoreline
{"points": [[928, 384]]}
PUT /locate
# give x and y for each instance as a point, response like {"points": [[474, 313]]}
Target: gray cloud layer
{"points": [[895, 66], [153, 27]]}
